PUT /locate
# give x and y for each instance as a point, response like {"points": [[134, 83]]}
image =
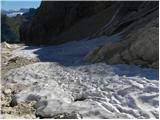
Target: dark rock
{"points": [[72, 115], [13, 101], [32, 97], [82, 98], [64, 115]]}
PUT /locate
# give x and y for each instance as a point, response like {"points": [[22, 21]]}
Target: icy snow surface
{"points": [[93, 90]]}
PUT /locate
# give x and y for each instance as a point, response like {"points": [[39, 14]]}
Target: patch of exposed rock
{"points": [[8, 63], [10, 108], [17, 62]]}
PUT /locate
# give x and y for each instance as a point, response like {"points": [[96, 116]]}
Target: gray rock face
{"points": [[139, 39]]}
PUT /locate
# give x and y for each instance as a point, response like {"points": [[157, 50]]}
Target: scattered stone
{"points": [[16, 62], [82, 98], [64, 115], [13, 101], [7, 91]]}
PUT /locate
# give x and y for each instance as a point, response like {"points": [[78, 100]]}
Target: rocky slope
{"points": [[137, 22], [140, 38]]}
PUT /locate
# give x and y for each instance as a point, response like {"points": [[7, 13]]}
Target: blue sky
{"points": [[17, 4]]}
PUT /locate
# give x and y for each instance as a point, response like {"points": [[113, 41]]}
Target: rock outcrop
{"points": [[140, 37]]}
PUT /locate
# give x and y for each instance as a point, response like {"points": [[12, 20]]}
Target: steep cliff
{"points": [[53, 21]]}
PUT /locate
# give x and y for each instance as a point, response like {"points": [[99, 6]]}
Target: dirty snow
{"points": [[92, 90], [105, 93]]}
